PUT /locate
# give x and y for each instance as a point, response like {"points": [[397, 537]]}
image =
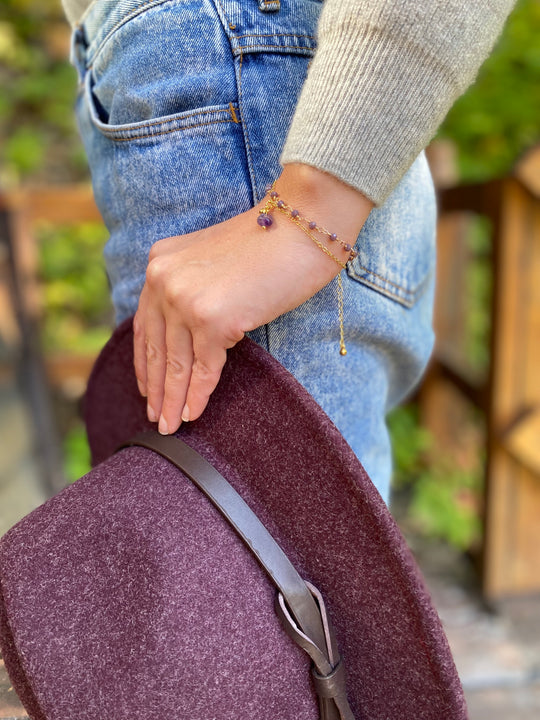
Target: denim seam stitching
{"points": [[408, 303], [238, 76], [411, 296], [111, 134], [111, 131], [390, 282], [294, 35], [264, 45], [244, 128], [230, 25]]}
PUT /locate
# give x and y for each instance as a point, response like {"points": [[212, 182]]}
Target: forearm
{"points": [[384, 76], [326, 199]]}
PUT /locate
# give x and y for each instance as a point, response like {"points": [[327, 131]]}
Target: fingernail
{"points": [[185, 414], [152, 415], [142, 389], [163, 427]]}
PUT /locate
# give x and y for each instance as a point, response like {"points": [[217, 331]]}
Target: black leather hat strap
{"points": [[299, 604]]}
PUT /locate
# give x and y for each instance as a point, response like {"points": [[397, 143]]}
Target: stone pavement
{"points": [[496, 650], [10, 707], [20, 490]]}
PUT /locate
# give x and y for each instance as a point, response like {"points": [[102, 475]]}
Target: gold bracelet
{"points": [[275, 203], [309, 227]]}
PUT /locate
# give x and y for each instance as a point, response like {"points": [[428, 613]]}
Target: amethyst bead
{"points": [[294, 213], [264, 220], [312, 225], [280, 204], [347, 247], [274, 195], [333, 237]]}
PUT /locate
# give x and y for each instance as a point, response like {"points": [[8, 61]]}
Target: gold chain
{"points": [[319, 244], [341, 312], [272, 204]]}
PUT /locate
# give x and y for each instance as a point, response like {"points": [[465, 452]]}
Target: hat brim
{"points": [[134, 532]]}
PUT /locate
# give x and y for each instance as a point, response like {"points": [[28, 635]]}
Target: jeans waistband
{"points": [[251, 25]]}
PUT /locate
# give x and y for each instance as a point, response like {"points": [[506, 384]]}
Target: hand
{"points": [[204, 290]]}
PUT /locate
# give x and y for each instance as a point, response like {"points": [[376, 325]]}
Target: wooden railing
{"points": [[509, 394], [21, 309]]}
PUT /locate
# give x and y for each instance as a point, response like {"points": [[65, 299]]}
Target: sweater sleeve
{"points": [[383, 78]]}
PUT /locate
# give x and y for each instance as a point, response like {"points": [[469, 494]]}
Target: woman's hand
{"points": [[204, 290]]}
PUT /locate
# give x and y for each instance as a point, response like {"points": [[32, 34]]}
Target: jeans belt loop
{"points": [[269, 5]]}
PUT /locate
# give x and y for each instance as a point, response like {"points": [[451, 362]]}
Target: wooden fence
{"points": [[509, 394]]}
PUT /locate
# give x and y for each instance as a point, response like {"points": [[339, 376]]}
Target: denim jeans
{"points": [[183, 108]]}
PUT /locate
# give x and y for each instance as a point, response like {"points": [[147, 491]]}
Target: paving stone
{"points": [[10, 707], [496, 650], [505, 703], [20, 490]]}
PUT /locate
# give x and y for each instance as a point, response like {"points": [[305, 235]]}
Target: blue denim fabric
{"points": [[183, 107]]}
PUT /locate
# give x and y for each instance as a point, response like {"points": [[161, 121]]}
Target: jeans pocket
{"points": [[155, 124], [396, 247], [165, 68]]}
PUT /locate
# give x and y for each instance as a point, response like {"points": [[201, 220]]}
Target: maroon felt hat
{"points": [[128, 595]]}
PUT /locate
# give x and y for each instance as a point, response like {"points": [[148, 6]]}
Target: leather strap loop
{"points": [[329, 679], [331, 685], [299, 604]]}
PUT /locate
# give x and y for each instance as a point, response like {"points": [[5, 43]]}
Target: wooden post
{"points": [[21, 211], [512, 509], [510, 396]]}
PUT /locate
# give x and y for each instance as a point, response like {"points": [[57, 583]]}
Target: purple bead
{"points": [[353, 254], [347, 247], [280, 203], [294, 213], [264, 220], [274, 194], [333, 237], [312, 225]]}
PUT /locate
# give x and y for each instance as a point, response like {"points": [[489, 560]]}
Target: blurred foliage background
{"points": [[489, 128], [38, 137]]}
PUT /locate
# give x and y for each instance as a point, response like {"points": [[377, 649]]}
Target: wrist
{"points": [[325, 198]]}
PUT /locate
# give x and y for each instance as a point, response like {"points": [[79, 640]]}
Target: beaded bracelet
{"points": [[265, 221], [309, 227]]}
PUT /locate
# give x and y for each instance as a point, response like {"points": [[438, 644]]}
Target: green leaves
{"points": [[499, 117], [24, 151], [77, 312], [38, 137], [443, 491]]}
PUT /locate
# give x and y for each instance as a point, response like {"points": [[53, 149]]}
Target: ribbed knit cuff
{"points": [[384, 76]]}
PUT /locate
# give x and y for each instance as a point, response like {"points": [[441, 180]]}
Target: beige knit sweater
{"points": [[384, 76]]}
